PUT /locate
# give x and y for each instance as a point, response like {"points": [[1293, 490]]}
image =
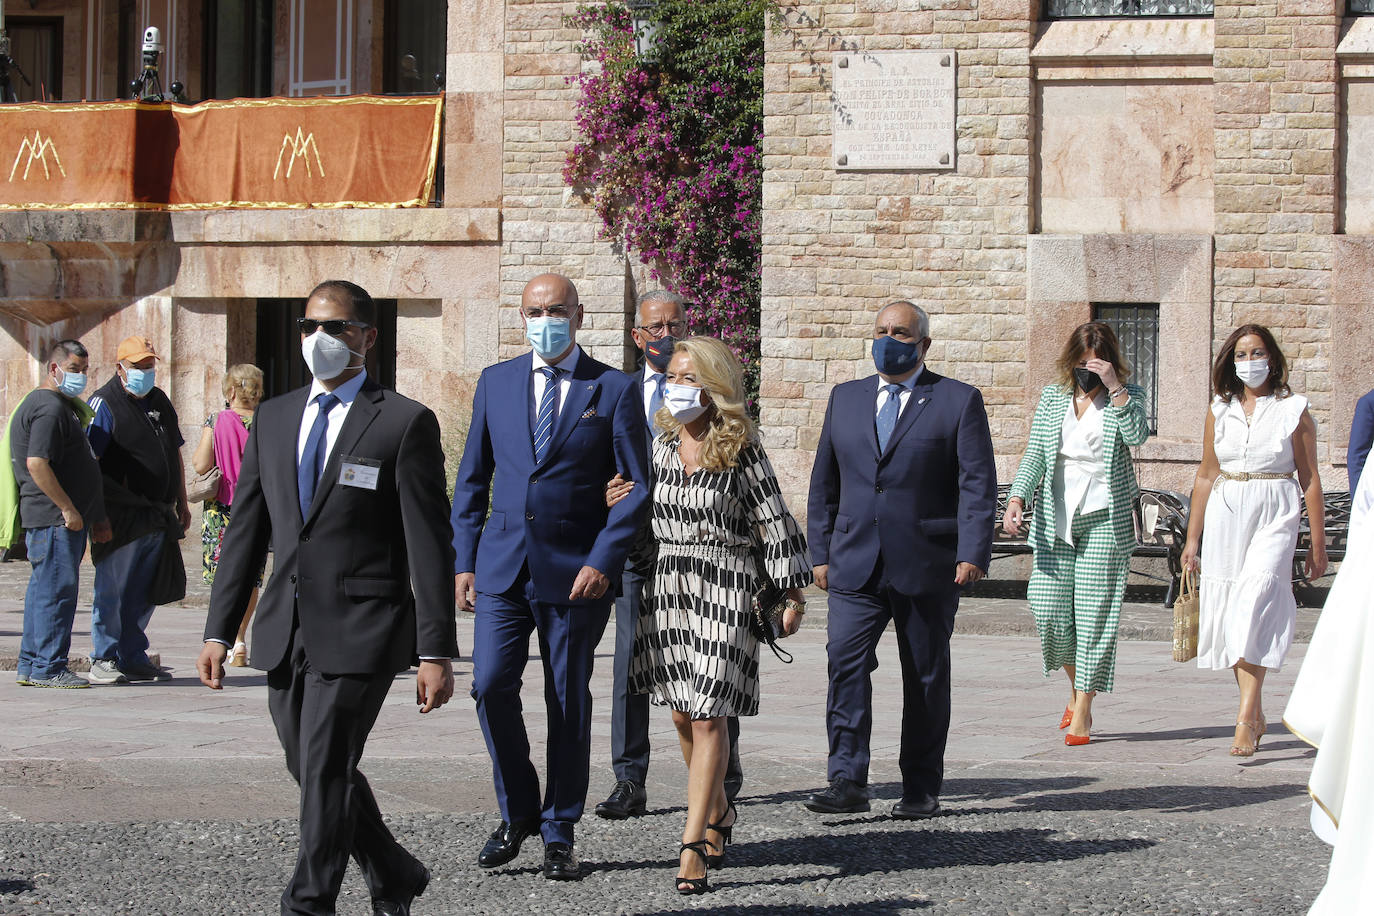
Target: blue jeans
{"points": [[50, 602], [120, 611]]}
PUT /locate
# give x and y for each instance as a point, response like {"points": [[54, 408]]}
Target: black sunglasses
{"points": [[332, 326]]}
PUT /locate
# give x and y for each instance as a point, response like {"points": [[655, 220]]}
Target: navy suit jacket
{"points": [[1361, 437], [926, 504], [551, 515]]}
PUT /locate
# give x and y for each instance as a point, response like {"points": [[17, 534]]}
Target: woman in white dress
{"points": [[1330, 708], [1256, 435]]}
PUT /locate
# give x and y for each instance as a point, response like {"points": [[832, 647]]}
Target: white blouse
{"points": [[1080, 481]]}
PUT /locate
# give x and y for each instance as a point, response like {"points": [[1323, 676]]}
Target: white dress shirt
{"points": [[346, 394], [902, 396], [567, 364], [1080, 480]]}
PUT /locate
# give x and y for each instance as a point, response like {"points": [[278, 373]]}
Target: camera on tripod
{"points": [[8, 95], [148, 86]]}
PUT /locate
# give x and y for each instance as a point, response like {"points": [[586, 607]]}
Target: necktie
{"points": [[548, 411], [887, 415], [312, 458], [655, 399]]}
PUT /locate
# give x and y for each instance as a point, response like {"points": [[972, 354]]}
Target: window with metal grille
{"points": [[1137, 329], [1361, 7], [1091, 9]]}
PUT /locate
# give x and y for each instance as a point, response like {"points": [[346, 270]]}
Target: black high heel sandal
{"points": [[718, 860], [694, 885]]}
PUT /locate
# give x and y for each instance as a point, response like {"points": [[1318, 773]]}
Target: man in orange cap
{"points": [[137, 440]]}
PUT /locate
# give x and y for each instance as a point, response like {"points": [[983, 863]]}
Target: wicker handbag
{"points": [[1186, 618]]}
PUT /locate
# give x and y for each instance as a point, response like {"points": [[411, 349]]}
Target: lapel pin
{"points": [[921, 401]]}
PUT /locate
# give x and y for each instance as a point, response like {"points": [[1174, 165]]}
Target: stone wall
{"points": [[1276, 201], [1203, 165], [837, 245], [545, 227]]}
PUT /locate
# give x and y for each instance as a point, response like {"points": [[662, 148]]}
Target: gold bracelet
{"points": [[1119, 391], [796, 607]]}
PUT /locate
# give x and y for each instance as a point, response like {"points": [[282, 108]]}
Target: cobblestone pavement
{"points": [[168, 798]]}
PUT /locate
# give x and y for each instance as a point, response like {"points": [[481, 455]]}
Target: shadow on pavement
{"points": [[767, 909], [15, 886], [1175, 799], [887, 850]]}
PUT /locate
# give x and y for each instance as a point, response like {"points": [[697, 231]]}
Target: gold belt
{"points": [[1254, 475]]}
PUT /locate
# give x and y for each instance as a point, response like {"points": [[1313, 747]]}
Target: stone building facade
{"points": [[1210, 169], [1204, 171]]}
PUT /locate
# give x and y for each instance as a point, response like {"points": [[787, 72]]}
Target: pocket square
{"points": [[589, 412]]}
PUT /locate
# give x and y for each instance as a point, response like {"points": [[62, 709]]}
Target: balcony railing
{"points": [[1114, 9]]}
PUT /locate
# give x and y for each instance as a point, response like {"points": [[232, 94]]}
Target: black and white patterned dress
{"points": [[693, 650]]}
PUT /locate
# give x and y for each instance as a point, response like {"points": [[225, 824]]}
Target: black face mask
{"points": [[1087, 380]]}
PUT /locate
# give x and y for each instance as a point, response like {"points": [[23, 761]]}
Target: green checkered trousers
{"points": [[1075, 594], [1075, 590]]}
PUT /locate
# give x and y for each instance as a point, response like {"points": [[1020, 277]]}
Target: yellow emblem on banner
{"points": [[301, 146], [38, 149]]}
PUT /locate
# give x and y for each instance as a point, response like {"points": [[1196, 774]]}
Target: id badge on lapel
{"points": [[359, 472]]}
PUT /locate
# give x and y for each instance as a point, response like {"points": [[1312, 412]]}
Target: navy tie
{"points": [[887, 415], [655, 399], [548, 412], [312, 458]]}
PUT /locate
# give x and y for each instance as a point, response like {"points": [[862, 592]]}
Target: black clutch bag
{"points": [[765, 616]]}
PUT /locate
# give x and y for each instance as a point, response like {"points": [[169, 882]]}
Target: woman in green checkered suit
{"points": [[1078, 467]]}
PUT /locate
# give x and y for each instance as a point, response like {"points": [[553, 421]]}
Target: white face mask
{"points": [[325, 356], [683, 402], [1252, 372]]}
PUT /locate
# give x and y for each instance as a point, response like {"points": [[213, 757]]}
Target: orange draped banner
{"points": [[348, 151]]}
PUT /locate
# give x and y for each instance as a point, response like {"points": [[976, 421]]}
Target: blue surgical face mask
{"points": [[549, 336], [139, 382], [895, 357], [72, 383]]}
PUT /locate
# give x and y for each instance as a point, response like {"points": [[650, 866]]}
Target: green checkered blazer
{"points": [[1122, 427]]}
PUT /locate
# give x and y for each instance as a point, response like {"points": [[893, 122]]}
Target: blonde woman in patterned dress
{"points": [[1078, 464], [715, 503], [1256, 436]]}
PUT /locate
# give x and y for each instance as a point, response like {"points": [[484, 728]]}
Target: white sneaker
{"points": [[105, 671]]}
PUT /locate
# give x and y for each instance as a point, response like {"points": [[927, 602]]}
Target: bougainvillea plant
{"points": [[669, 153]]}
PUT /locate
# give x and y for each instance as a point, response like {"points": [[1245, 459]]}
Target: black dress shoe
{"points": [[560, 864], [916, 809], [504, 843], [401, 907], [627, 799], [843, 797]]}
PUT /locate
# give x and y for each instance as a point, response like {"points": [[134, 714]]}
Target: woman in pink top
{"points": [[221, 445]]}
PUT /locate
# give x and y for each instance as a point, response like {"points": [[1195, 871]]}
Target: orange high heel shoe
{"points": [[1068, 717], [1079, 740]]}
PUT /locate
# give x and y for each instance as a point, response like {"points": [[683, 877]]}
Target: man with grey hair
{"points": [[661, 320], [903, 499]]}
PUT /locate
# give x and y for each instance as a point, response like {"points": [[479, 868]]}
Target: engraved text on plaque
{"points": [[894, 109]]}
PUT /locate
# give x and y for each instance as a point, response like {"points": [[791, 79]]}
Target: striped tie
{"points": [[548, 410]]}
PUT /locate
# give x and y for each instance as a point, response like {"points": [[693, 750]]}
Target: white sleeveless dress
{"points": [[1250, 532]]}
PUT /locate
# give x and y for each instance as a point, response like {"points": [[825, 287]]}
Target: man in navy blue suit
{"points": [[901, 512], [1361, 438], [548, 430]]}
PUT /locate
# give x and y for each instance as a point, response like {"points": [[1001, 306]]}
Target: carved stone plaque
{"points": [[894, 109]]}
